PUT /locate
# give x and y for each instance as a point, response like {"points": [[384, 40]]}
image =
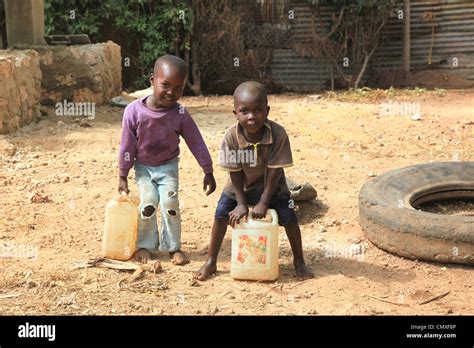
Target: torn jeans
{"points": [[158, 186]]}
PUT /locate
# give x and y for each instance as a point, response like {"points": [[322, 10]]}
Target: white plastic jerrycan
{"points": [[121, 227], [255, 249]]}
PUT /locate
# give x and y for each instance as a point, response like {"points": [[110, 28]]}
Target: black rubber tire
{"points": [[390, 222]]}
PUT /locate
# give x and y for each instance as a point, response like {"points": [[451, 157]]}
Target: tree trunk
{"points": [[406, 36], [362, 70], [195, 69], [331, 72]]}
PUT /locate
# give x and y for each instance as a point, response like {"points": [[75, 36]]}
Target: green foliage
{"points": [[152, 28]]}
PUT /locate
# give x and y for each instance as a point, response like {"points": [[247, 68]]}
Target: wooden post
{"points": [[406, 36], [25, 22]]}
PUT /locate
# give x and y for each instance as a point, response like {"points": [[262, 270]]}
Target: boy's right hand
{"points": [[239, 212], [123, 185]]}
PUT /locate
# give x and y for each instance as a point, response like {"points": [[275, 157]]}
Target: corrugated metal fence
{"points": [[449, 30]]}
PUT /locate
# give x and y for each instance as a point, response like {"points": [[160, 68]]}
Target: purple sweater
{"points": [[151, 136]]}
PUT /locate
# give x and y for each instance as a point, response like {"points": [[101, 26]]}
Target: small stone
{"points": [[36, 183], [85, 182], [7, 148], [322, 229], [193, 282], [156, 266], [66, 179], [371, 174], [21, 166], [37, 198], [331, 222], [60, 124], [85, 124]]}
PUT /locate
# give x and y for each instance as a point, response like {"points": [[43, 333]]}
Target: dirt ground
{"points": [[339, 141]]}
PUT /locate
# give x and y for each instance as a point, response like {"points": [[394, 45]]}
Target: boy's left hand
{"points": [[210, 183], [260, 210]]}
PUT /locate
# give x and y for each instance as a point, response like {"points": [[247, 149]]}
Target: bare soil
{"points": [[339, 141], [452, 207]]}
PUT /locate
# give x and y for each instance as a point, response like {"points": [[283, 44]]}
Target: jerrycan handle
{"points": [[124, 197], [271, 212]]}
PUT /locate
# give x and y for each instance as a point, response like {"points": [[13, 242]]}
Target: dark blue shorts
{"points": [[286, 215]]}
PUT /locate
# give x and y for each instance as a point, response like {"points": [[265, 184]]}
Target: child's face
{"points": [[251, 112], [168, 85]]}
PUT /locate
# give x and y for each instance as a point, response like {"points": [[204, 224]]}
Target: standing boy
{"points": [[150, 143]]}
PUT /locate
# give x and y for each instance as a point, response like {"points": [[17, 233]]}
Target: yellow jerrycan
{"points": [[255, 249], [121, 227]]}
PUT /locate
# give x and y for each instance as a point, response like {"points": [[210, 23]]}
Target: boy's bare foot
{"points": [[302, 271], [205, 271], [178, 258], [142, 255]]}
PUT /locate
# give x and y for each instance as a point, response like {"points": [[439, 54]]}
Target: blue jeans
{"points": [[158, 186]]}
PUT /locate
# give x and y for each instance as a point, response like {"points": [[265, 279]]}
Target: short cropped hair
{"points": [[171, 61], [251, 87]]}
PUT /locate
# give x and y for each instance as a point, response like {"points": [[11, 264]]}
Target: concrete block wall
{"points": [[82, 73], [47, 75]]}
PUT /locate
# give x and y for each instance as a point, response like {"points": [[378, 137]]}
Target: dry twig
{"points": [[387, 301], [435, 298]]}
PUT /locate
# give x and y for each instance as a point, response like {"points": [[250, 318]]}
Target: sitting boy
{"points": [[151, 129], [259, 181]]}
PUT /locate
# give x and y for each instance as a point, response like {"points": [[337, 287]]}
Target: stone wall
{"points": [[20, 86], [82, 73]]}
